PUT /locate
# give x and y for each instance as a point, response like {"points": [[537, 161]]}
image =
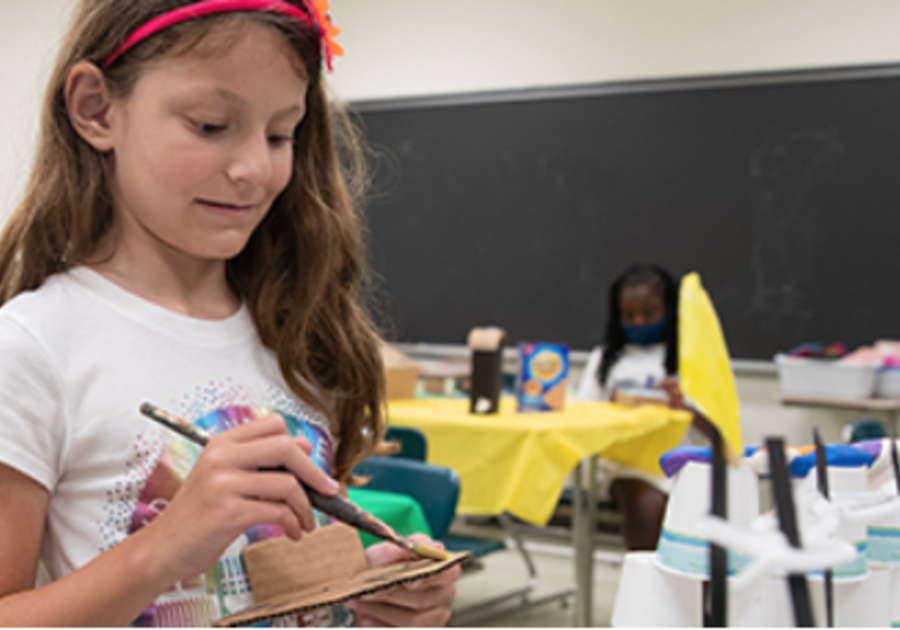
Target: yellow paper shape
{"points": [[704, 367]]}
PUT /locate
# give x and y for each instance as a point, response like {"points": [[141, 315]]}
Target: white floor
{"points": [[505, 570]]}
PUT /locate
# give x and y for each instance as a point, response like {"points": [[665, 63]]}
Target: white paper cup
{"points": [[680, 548], [843, 483], [883, 534], [763, 605], [649, 597], [860, 603], [895, 594], [883, 541]]}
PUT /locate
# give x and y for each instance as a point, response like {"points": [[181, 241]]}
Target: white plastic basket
{"points": [[800, 376], [887, 383]]}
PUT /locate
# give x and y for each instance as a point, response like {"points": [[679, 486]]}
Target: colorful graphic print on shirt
{"points": [[160, 463]]}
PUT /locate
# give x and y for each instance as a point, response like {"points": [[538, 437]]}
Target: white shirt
{"points": [[77, 358], [637, 367]]}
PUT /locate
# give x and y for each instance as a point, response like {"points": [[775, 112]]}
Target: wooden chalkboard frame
{"points": [[449, 249]]}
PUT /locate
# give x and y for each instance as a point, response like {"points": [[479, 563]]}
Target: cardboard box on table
{"points": [[400, 374]]}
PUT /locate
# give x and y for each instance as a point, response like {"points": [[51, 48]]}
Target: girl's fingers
{"points": [[276, 514], [281, 451], [436, 595], [304, 444], [383, 554], [378, 614], [425, 602], [270, 424], [275, 449], [278, 487]]}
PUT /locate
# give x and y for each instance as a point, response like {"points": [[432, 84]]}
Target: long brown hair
{"points": [[301, 272]]}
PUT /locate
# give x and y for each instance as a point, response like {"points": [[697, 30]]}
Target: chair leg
{"points": [[488, 608], [510, 527]]}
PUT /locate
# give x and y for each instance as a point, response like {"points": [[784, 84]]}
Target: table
{"points": [[891, 406], [399, 511], [518, 463]]}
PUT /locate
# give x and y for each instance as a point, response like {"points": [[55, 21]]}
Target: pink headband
{"points": [[317, 19]]}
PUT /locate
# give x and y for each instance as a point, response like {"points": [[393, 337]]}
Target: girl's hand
{"points": [[423, 603], [676, 397], [230, 490], [676, 401]]}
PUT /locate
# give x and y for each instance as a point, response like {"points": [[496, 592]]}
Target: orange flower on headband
{"points": [[319, 10]]}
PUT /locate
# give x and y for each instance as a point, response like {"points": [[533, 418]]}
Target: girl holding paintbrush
{"points": [[188, 236]]}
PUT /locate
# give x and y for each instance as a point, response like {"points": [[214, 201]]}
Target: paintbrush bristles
{"points": [[427, 551]]}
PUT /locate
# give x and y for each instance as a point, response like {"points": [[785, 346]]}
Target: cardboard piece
{"points": [[487, 369], [400, 374], [324, 568]]}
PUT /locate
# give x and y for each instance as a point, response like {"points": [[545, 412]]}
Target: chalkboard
{"points": [[519, 209]]}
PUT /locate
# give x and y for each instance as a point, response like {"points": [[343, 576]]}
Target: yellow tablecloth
{"points": [[518, 462]]}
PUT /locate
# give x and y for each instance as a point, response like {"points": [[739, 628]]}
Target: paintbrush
{"points": [[336, 505], [822, 482]]}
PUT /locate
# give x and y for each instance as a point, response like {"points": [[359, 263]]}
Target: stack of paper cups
{"points": [[858, 603], [883, 535], [894, 594], [681, 549], [763, 605], [651, 598], [843, 484]]}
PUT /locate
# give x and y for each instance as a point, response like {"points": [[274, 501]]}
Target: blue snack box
{"points": [[544, 368]]}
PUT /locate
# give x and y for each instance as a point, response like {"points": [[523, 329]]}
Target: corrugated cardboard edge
{"points": [[330, 591]]}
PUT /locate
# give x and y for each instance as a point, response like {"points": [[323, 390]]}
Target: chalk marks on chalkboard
{"points": [[785, 170]]}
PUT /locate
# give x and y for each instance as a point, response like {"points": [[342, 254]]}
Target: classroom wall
{"points": [[404, 48], [29, 34], [408, 47]]}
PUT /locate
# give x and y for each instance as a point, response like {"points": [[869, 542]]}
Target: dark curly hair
{"points": [[662, 282]]}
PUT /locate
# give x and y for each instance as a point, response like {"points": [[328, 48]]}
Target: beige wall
{"points": [[29, 34], [415, 47], [400, 48]]}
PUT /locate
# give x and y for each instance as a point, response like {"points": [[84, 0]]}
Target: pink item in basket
{"points": [[887, 346], [865, 355]]}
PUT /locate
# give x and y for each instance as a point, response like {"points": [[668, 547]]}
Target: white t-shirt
{"points": [[637, 367], [77, 358], [641, 367]]}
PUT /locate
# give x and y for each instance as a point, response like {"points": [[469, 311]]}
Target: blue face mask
{"points": [[645, 335]]}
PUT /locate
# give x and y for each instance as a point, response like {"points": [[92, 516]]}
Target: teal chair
{"points": [[413, 444], [863, 429], [435, 488]]}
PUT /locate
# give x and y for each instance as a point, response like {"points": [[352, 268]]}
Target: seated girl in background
{"points": [[640, 351]]}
